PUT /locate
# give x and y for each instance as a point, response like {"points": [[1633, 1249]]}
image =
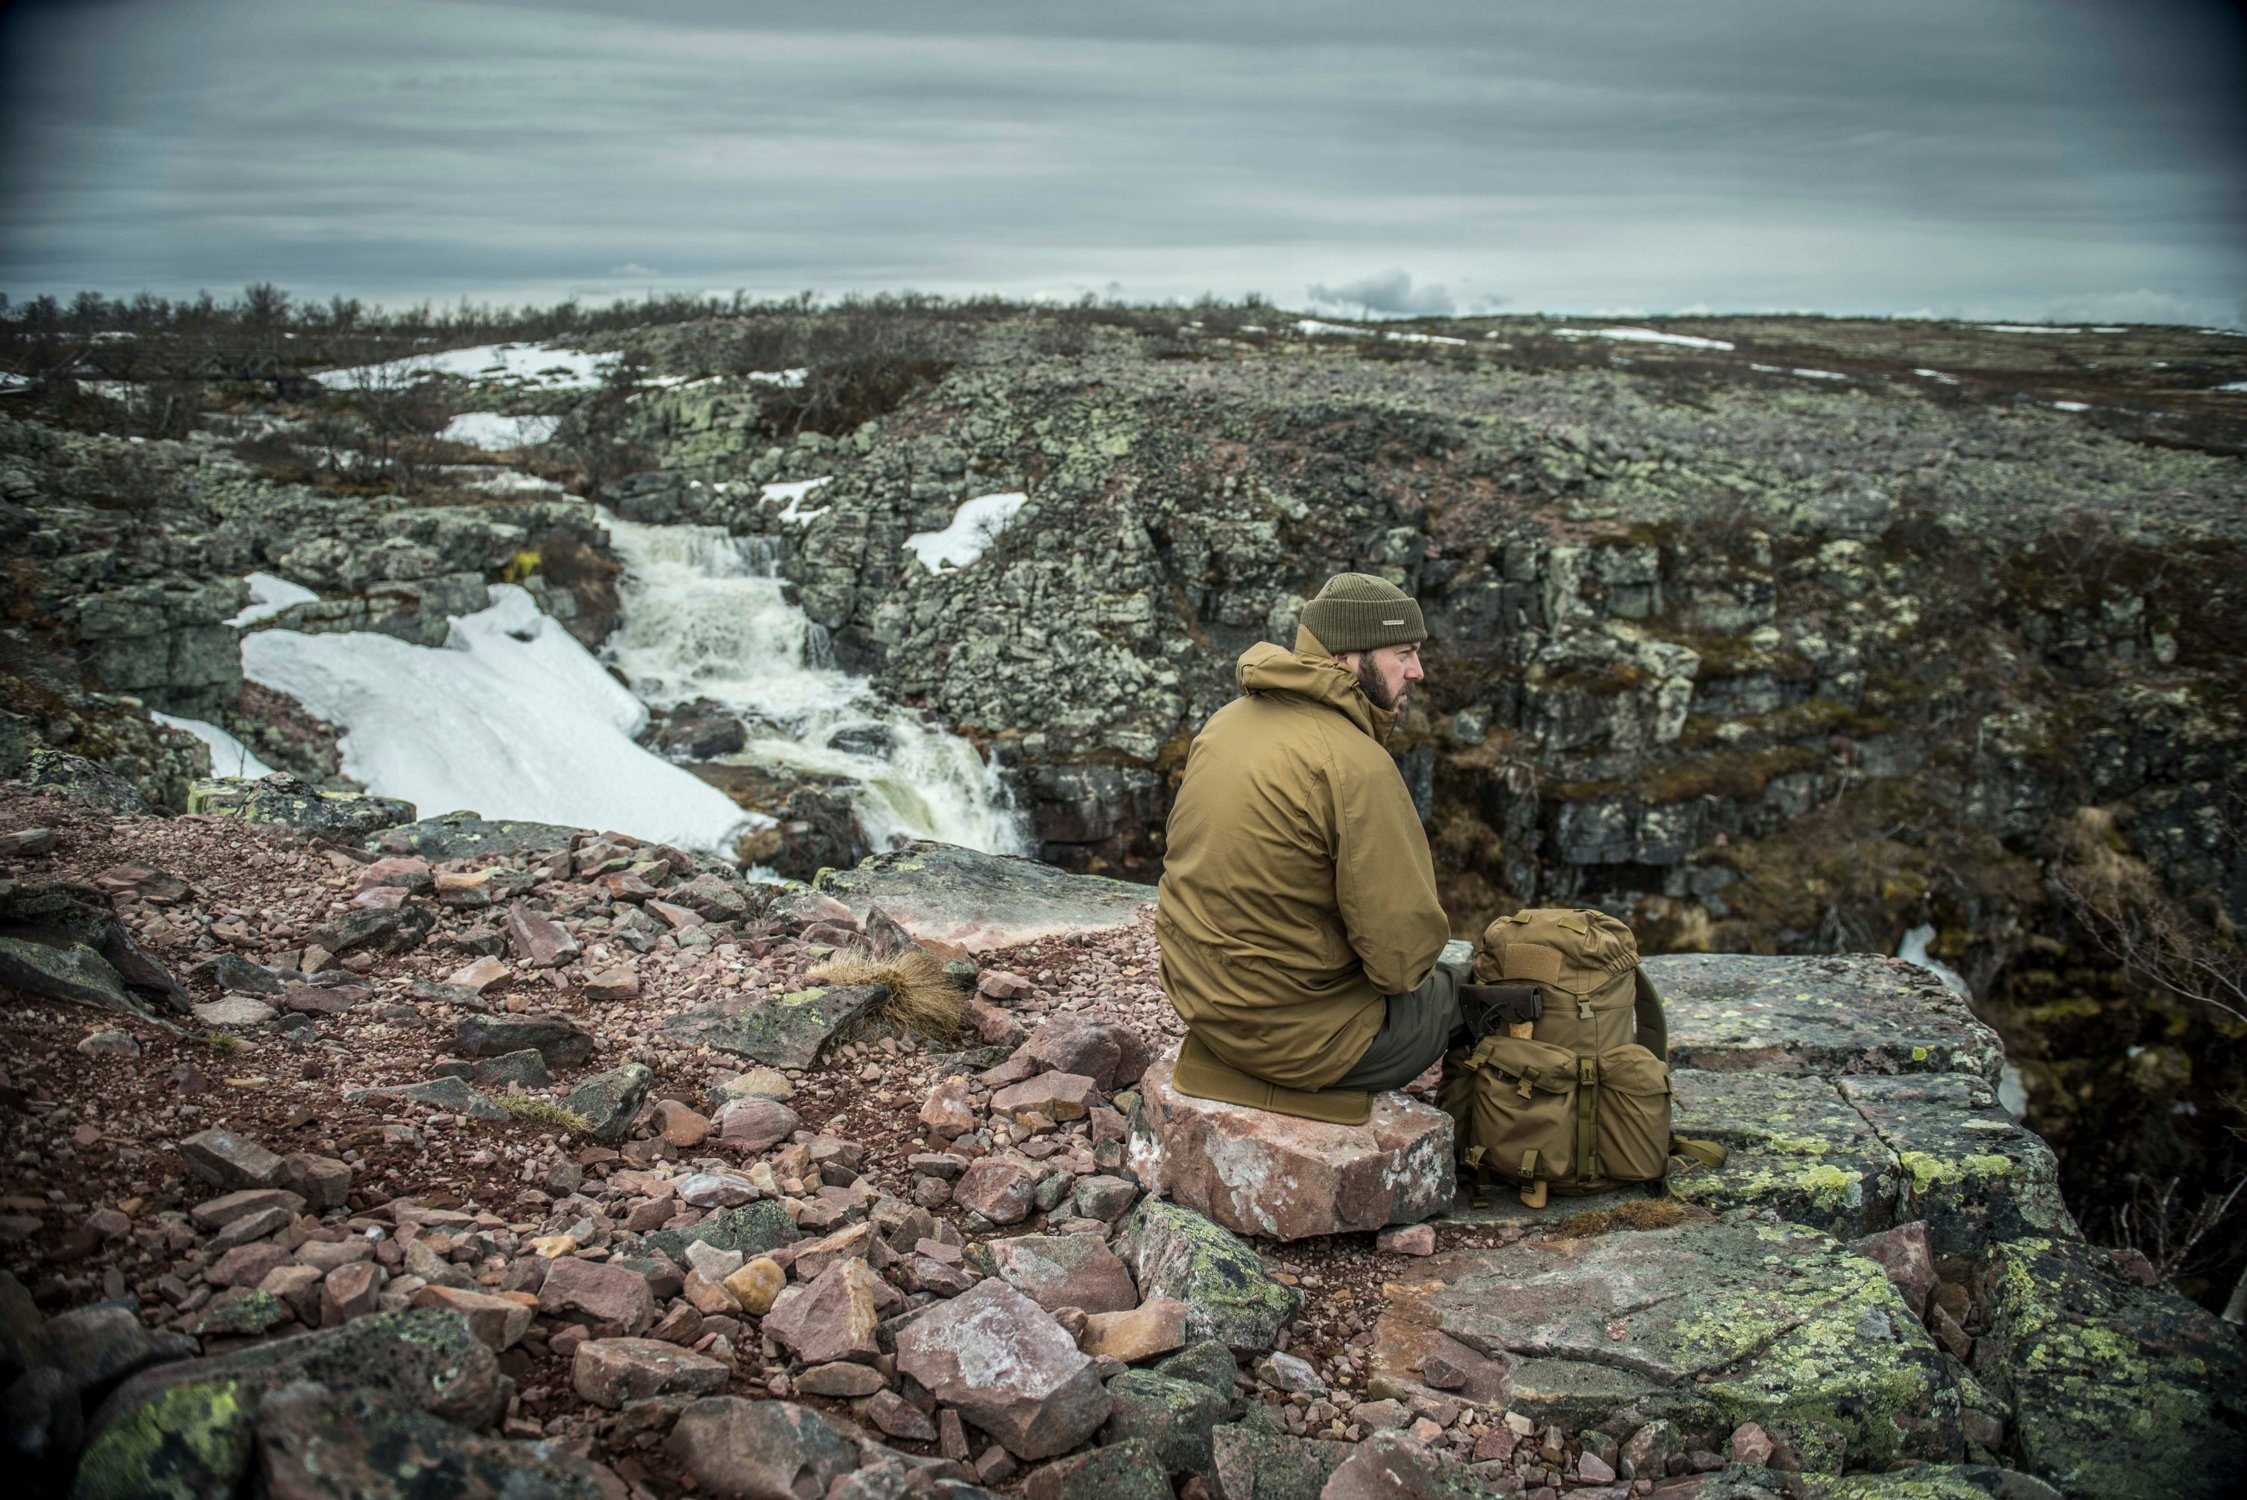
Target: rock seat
{"points": [[1260, 1173]]}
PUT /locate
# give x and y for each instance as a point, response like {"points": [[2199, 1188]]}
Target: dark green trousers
{"points": [[1418, 1029]]}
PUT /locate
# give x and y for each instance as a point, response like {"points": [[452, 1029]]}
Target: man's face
{"points": [[1386, 673]]}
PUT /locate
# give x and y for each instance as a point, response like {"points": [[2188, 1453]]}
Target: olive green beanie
{"points": [[1359, 612]]}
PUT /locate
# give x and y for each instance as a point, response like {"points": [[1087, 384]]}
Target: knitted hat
{"points": [[1358, 612]]}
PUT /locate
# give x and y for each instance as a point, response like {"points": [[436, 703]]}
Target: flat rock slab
{"points": [[982, 901], [1854, 1013], [1707, 1325], [2119, 1389], [293, 803], [465, 836], [1256, 1172], [781, 1031], [1793, 1144]]}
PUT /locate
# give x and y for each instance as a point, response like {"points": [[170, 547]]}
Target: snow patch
{"points": [[1641, 336], [1316, 327], [793, 491], [497, 433], [1819, 374], [2233, 385], [787, 379], [1936, 375], [511, 717], [2071, 406], [229, 756], [546, 366], [975, 525], [269, 595]]}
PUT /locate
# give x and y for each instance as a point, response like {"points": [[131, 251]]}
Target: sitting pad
{"points": [[1201, 1074]]}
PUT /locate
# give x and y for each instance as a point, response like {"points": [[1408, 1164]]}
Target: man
{"points": [[1298, 922]]}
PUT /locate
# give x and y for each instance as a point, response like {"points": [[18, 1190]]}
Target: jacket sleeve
{"points": [[1384, 877]]}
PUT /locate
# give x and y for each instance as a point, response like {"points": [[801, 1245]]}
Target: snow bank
{"points": [[542, 365], [2234, 385], [1315, 327], [1937, 375], [229, 756], [511, 717], [497, 433], [787, 379], [975, 525], [1641, 336], [2071, 406], [269, 595]]}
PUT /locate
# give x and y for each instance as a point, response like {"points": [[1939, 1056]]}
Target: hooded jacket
{"points": [[1297, 886]]}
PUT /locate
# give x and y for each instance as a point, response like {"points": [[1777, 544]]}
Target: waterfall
{"points": [[2012, 1091], [705, 616]]}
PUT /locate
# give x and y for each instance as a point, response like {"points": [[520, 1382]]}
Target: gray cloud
{"points": [[1997, 158], [1387, 292]]}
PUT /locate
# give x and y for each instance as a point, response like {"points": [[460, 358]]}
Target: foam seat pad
{"points": [[1201, 1074]]}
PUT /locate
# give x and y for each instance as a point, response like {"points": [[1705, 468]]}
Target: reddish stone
{"points": [[999, 1190]]}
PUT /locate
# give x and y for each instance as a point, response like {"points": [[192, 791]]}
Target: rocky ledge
{"points": [[474, 1158]]}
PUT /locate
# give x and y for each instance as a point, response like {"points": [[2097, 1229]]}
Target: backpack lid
{"points": [[1576, 952]]}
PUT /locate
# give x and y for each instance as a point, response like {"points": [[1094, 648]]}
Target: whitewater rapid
{"points": [[704, 615]]}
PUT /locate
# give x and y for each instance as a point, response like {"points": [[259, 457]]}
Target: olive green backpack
{"points": [[1577, 1101]]}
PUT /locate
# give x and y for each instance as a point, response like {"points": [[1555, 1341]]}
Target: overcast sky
{"points": [[2071, 159]]}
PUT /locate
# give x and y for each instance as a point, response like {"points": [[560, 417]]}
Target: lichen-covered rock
{"points": [[750, 1230], [1125, 1470], [1703, 1324], [781, 1031], [1966, 1167], [760, 1450], [1174, 1417], [609, 1102], [1229, 1296], [1255, 1463], [186, 1428], [1256, 1172], [452, 1095], [2117, 1389], [982, 901], [315, 1441], [1848, 1013], [1793, 1144], [294, 803], [465, 836]]}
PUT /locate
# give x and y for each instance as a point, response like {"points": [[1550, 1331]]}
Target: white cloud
{"points": [[1388, 293]]}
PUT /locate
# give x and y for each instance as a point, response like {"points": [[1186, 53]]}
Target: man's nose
{"points": [[1412, 672]]}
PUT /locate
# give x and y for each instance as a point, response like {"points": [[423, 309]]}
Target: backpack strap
{"points": [[1707, 1153], [1587, 1116], [1646, 1007]]}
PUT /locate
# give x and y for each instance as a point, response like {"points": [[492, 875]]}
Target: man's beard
{"points": [[1375, 690]]}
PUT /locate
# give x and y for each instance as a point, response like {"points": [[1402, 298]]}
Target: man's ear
{"points": [[1354, 660]]}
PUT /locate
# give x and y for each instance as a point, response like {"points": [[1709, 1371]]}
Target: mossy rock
{"points": [[185, 1429], [1254, 1462], [289, 802], [2118, 1389], [1707, 1325], [463, 835], [1793, 1144], [1229, 1296]]}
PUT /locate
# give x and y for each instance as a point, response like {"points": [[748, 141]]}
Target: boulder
{"points": [[756, 1124], [599, 1293], [292, 802], [1229, 1296], [1008, 1367], [609, 1102], [498, 1322], [312, 1441], [1002, 1191], [464, 835], [187, 1427], [229, 1161], [782, 1031], [452, 1095], [559, 1040], [1173, 1417], [1704, 1324], [831, 1319], [980, 901], [751, 1230], [2117, 1388], [610, 1372], [1066, 1270], [1393, 1466], [1255, 1463], [1966, 1168], [1108, 1052], [1257, 1172], [760, 1450], [1793, 1144], [1128, 1469]]}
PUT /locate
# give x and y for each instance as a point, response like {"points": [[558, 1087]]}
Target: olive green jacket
{"points": [[1297, 887]]}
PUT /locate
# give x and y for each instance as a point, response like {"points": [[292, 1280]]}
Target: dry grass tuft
{"points": [[1643, 1213], [922, 997], [537, 1109]]}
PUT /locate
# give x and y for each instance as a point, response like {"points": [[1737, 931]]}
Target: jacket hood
{"points": [[1310, 674]]}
